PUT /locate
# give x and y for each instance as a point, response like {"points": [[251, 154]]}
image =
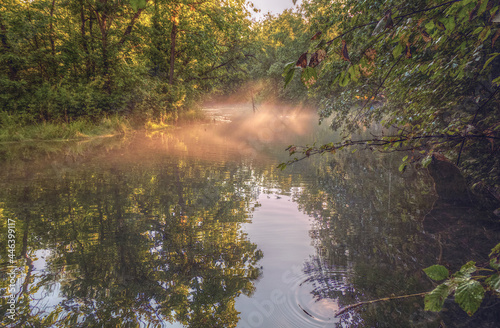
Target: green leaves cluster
{"points": [[428, 68], [64, 59], [469, 289]]}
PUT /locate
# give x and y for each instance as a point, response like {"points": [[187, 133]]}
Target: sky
{"points": [[274, 6]]}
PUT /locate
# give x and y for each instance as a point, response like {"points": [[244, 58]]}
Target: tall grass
{"points": [[14, 128]]}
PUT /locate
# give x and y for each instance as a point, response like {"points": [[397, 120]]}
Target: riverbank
{"points": [[11, 130]]}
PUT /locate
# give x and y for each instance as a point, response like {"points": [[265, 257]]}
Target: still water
{"points": [[196, 227]]}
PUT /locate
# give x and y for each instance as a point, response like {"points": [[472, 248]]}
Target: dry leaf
{"points": [[302, 62], [345, 54], [408, 50], [317, 58]]}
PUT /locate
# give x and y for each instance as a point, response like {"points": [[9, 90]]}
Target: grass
{"points": [[12, 128], [82, 128]]}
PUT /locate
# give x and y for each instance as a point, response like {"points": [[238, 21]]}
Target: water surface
{"points": [[196, 227]]}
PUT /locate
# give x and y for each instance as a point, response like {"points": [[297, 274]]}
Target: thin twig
{"points": [[474, 120], [375, 142], [350, 307], [378, 89]]}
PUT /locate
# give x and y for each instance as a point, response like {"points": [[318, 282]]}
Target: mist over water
{"points": [[195, 226]]}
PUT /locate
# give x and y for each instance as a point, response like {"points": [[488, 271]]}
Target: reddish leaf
{"points": [[345, 54], [314, 60], [490, 5], [473, 13], [497, 34], [302, 62], [317, 58], [408, 51]]}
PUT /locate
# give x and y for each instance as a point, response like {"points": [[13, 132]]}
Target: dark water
{"points": [[196, 227]]}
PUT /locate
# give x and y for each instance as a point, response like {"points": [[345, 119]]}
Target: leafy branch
{"points": [[469, 290], [360, 111], [395, 142], [397, 17]]}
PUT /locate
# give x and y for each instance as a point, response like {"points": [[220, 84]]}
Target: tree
{"points": [[65, 59], [428, 70]]}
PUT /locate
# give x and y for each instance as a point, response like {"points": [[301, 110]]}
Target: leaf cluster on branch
{"points": [[427, 68]]}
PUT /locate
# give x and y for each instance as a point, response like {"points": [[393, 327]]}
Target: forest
{"points": [[426, 71], [428, 68]]}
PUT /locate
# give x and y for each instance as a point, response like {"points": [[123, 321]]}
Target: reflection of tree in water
{"points": [[129, 245], [368, 234]]}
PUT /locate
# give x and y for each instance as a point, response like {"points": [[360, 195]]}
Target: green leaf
{"points": [[397, 51], [482, 8], [477, 30], [405, 158], [282, 166], [309, 76], [344, 79], [138, 4], [437, 272], [494, 282], [429, 26], [426, 161], [402, 167], [468, 268], [449, 24], [493, 56], [288, 77], [434, 300], [495, 257], [485, 34], [288, 67], [469, 296]]}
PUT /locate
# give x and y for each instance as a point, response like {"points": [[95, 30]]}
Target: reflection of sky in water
{"points": [[282, 299], [48, 296]]}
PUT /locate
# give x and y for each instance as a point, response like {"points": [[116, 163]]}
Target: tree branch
{"points": [[217, 67], [308, 151], [350, 307], [474, 120], [402, 16], [378, 89], [130, 25]]}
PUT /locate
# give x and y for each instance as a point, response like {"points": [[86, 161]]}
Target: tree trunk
{"points": [[173, 36], [51, 39]]}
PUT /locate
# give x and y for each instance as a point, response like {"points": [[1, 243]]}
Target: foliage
{"points": [[14, 128], [66, 59], [276, 39], [130, 245], [427, 69], [469, 289]]}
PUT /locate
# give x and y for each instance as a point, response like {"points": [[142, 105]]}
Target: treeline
{"points": [[62, 59]]}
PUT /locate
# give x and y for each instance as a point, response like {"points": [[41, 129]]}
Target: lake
{"points": [[195, 226]]}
